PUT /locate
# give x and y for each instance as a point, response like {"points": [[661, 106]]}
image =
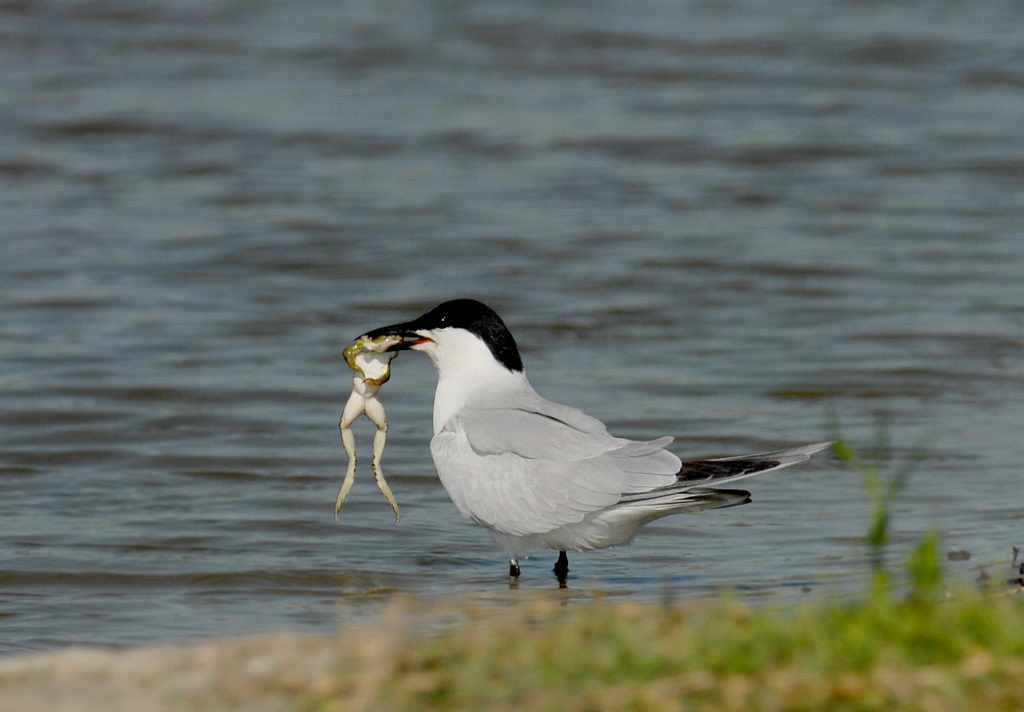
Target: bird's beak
{"points": [[405, 333]]}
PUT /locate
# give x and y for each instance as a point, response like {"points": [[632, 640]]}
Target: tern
{"points": [[542, 475]]}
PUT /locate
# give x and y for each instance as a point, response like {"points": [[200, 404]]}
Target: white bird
{"points": [[541, 475]]}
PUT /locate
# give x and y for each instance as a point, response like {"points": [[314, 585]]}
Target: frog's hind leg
{"points": [[353, 409], [375, 412]]}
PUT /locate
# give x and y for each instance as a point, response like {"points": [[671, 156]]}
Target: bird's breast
{"points": [[453, 459]]}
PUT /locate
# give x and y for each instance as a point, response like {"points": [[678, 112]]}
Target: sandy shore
{"points": [[925, 651], [260, 673]]}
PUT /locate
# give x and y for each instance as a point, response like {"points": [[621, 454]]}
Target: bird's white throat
{"points": [[466, 372]]}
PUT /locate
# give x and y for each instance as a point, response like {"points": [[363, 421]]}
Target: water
{"points": [[718, 221]]}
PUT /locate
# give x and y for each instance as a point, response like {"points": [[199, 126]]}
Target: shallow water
{"points": [[715, 221]]}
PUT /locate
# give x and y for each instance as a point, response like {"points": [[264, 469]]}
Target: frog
{"points": [[370, 361]]}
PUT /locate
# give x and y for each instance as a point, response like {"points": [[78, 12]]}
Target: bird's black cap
{"points": [[469, 314]]}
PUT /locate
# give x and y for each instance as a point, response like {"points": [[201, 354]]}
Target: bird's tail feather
{"points": [[690, 491], [719, 470], [672, 500]]}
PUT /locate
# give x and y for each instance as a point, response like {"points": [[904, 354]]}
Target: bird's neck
{"points": [[473, 385]]}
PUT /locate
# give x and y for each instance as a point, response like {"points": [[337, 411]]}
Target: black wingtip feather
{"points": [[710, 470]]}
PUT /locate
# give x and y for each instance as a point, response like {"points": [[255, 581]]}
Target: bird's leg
{"points": [[513, 567], [353, 409], [562, 567], [375, 412]]}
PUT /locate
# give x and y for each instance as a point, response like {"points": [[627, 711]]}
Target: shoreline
{"points": [[942, 653]]}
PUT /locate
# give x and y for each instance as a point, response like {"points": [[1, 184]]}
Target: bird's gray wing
{"points": [[531, 466]]}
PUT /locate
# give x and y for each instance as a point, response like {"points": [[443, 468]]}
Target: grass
{"points": [[927, 649], [883, 484]]}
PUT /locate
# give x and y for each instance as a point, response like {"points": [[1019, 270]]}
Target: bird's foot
{"points": [[562, 567]]}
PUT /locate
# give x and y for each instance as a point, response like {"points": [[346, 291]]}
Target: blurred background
{"points": [[723, 221]]}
